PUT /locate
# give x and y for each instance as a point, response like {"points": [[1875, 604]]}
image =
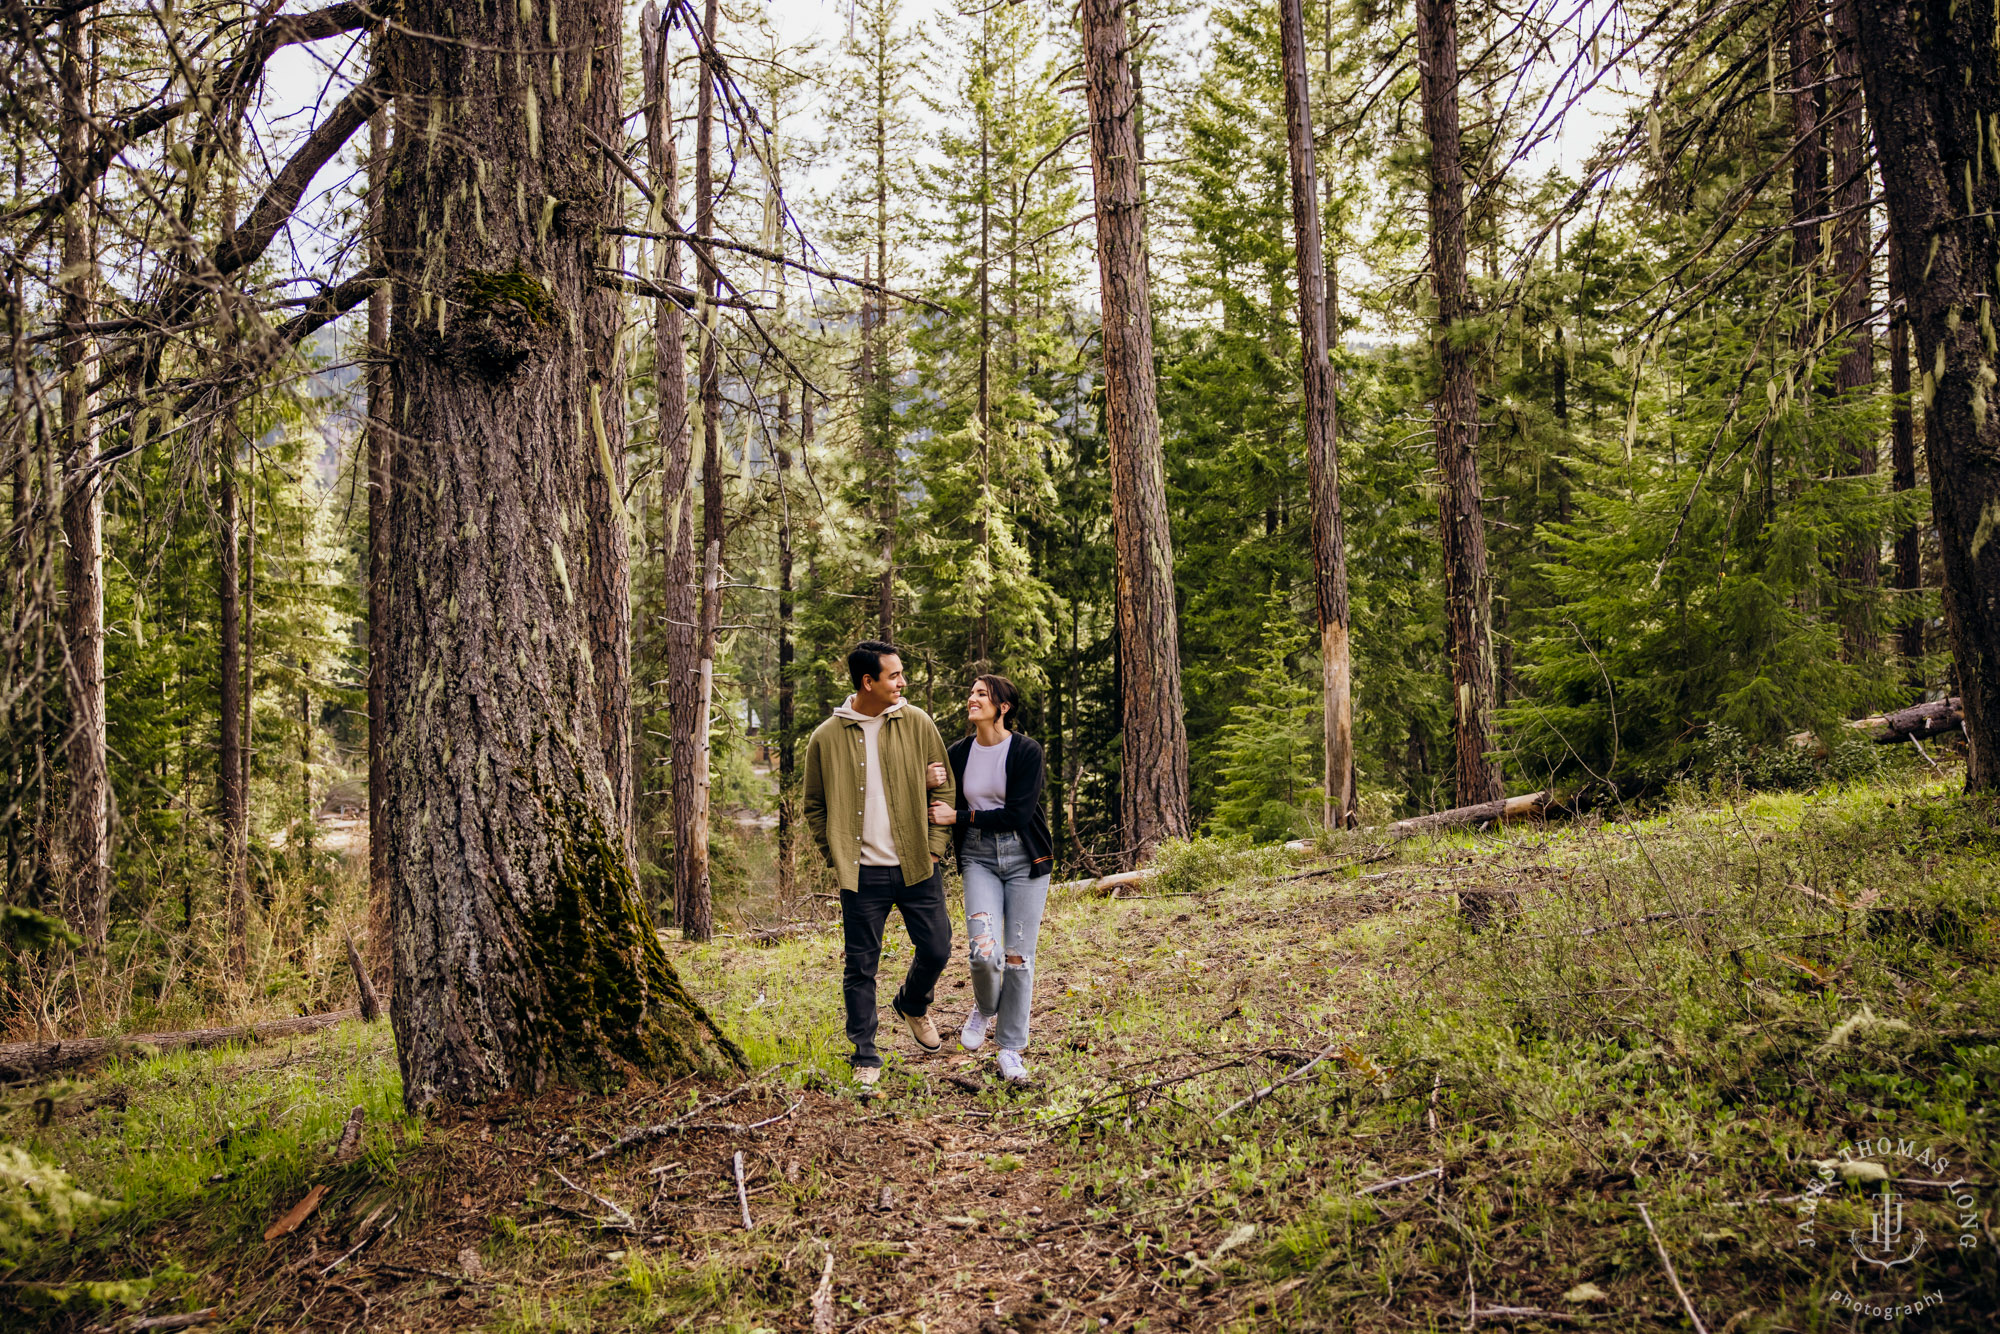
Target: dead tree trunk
{"points": [[1854, 379], [876, 425], [87, 894], [229, 778], [1903, 459], [523, 953], [234, 778], [1461, 522], [697, 917], [875, 323], [788, 832], [678, 610], [1932, 75], [1153, 770], [381, 425], [1322, 414]]}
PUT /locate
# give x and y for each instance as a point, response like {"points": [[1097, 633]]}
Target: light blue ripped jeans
{"points": [[1004, 901]]}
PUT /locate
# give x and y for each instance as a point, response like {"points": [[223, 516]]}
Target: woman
{"points": [[1005, 855]]}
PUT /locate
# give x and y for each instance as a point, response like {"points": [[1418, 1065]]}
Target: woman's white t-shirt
{"points": [[986, 775]]}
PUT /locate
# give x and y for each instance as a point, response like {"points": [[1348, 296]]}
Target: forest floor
{"points": [[1626, 1104]]}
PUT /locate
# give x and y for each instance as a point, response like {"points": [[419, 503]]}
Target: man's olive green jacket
{"points": [[835, 767]]}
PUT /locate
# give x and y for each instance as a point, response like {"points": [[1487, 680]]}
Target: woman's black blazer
{"points": [[1027, 775]]}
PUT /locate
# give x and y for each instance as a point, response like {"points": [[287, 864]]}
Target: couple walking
{"points": [[886, 800]]}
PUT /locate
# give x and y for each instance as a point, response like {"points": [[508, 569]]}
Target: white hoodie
{"points": [[878, 836]]}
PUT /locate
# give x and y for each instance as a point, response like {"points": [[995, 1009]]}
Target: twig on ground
{"points": [[368, 1235], [178, 1320], [1393, 1182], [1431, 1105], [1525, 1313], [737, 1128], [644, 1134], [1157, 1084], [432, 1273], [1672, 1277], [621, 1218], [822, 1299], [1269, 1089], [742, 1194]]}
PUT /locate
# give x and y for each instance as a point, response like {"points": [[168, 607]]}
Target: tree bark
{"points": [[523, 953], [607, 579], [1853, 256], [1461, 523], [1932, 75], [1805, 43], [21, 574], [1153, 769], [788, 833], [88, 841], [876, 376], [381, 426], [678, 610], [1903, 461], [1322, 420], [229, 776], [234, 778], [697, 919]]}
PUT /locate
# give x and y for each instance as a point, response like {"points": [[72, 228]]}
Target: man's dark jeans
{"points": [[863, 914]]}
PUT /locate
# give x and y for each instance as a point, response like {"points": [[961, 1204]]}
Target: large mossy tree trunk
{"points": [[1931, 72], [523, 953], [1153, 769]]}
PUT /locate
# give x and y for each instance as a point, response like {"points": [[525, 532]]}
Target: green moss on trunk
{"points": [[611, 1001]]}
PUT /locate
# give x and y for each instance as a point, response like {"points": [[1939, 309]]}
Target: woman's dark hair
{"points": [[1005, 697]]}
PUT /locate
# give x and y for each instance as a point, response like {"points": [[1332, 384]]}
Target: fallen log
{"points": [[1916, 723], [1531, 806], [35, 1060]]}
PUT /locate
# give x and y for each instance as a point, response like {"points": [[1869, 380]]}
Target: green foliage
{"points": [[24, 930], [1270, 748], [39, 1205]]}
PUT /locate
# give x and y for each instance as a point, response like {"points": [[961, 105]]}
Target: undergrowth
{"points": [[1273, 1090]]}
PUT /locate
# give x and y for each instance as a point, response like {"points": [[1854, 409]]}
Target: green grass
{"points": [[190, 1149], [1691, 1011]]}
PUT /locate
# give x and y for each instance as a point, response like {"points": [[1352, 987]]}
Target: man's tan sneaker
{"points": [[865, 1077], [924, 1029]]}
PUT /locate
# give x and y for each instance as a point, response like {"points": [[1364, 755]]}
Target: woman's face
{"points": [[979, 704]]}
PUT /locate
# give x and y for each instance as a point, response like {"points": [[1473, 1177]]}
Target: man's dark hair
{"points": [[866, 660], [1003, 693]]}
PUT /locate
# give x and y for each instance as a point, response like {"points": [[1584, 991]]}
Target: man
{"points": [[868, 808]]}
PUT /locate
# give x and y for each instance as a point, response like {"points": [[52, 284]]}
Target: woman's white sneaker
{"points": [[1012, 1068], [973, 1036]]}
